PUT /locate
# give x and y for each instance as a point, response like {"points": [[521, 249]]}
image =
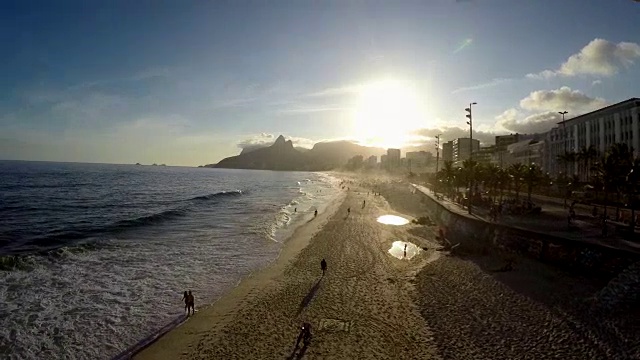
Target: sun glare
{"points": [[386, 112]]}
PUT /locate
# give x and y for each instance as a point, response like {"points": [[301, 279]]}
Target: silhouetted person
{"points": [[185, 298], [323, 266], [191, 303], [348, 210], [315, 213], [405, 250], [364, 202], [295, 210], [305, 334]]}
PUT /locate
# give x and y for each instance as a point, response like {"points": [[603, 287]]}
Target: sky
{"points": [[191, 82]]}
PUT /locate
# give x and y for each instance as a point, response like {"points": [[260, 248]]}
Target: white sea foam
{"points": [[93, 304]]}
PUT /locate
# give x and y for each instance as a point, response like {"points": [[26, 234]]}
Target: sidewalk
{"points": [[552, 221]]}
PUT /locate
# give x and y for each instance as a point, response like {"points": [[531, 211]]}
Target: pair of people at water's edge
{"points": [[189, 302]]}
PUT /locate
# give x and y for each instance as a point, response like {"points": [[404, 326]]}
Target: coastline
{"points": [[172, 342]]}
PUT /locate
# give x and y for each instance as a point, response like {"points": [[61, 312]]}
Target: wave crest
{"points": [[219, 194]]}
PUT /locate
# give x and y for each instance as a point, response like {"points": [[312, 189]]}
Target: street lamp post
{"points": [[437, 151], [435, 185], [470, 122], [564, 136]]}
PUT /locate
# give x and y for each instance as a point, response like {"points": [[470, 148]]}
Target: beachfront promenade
{"points": [[551, 221]]}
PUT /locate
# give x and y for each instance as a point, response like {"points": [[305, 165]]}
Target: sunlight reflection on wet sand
{"points": [[397, 250], [392, 220]]}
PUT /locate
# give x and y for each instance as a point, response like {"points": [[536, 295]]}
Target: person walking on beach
{"points": [[323, 266], [348, 210], [185, 298], [405, 250], [315, 213], [364, 202], [191, 303]]}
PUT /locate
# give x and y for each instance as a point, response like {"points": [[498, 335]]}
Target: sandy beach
{"points": [[371, 305]]}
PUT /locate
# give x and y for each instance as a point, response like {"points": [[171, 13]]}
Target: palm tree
{"points": [[587, 155], [532, 177], [468, 168], [611, 171], [448, 173], [503, 181], [517, 173], [546, 182], [632, 180], [568, 158], [623, 160], [490, 176]]}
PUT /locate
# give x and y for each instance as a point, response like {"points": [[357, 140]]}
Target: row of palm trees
{"points": [[492, 178], [616, 173]]}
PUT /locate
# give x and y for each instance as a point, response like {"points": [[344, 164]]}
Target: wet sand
{"points": [[372, 305]]}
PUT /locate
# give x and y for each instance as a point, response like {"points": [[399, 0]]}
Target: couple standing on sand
{"points": [[189, 302]]}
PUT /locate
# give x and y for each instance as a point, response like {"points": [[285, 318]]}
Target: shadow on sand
{"points": [[298, 355], [307, 299]]}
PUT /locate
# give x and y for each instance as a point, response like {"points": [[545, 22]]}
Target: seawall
{"points": [[478, 235]]}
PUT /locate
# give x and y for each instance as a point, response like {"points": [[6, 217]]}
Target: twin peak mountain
{"points": [[282, 155]]}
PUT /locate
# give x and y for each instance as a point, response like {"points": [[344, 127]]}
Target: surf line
{"points": [[144, 343]]}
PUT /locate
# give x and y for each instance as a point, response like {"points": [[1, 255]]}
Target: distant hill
{"points": [[336, 153], [283, 156]]}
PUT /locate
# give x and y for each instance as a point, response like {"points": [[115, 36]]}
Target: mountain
{"points": [[250, 148], [336, 153], [283, 156], [279, 156]]}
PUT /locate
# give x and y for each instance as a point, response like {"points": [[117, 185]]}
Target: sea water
{"points": [[95, 257]]}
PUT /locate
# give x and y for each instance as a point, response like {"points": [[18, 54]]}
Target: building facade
{"points": [[393, 157], [419, 158], [462, 148], [372, 161], [617, 123], [484, 155], [526, 152], [447, 151]]}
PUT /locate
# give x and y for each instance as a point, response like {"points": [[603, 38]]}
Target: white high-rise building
{"points": [[617, 123]]}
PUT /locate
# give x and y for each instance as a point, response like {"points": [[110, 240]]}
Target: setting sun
{"points": [[386, 112]]}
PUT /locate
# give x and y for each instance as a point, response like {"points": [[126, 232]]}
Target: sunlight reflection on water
{"points": [[398, 247], [392, 220]]}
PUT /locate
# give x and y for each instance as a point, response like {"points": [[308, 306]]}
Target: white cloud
{"points": [[266, 139], [561, 99], [336, 91], [536, 123], [492, 83], [598, 58], [452, 132], [596, 82], [312, 109], [538, 111]]}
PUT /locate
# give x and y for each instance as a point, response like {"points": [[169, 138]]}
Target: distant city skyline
{"points": [[190, 83]]}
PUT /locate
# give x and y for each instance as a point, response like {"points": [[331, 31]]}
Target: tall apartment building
{"points": [[447, 151], [419, 158], [372, 161], [617, 123], [462, 148], [393, 157]]}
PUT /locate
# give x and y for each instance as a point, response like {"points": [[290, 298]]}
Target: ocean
{"points": [[95, 257]]}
